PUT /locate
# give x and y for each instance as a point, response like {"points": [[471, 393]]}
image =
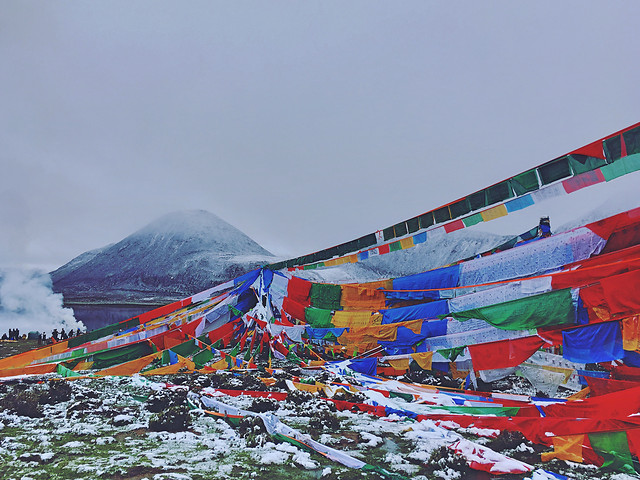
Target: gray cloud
{"points": [[304, 124]]}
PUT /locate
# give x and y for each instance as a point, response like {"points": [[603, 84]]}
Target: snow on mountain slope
{"points": [[435, 253], [175, 256]]}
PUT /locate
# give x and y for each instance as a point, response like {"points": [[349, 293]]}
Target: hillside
{"points": [[175, 256]]}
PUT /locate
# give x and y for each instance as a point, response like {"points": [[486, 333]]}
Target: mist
{"points": [[28, 303]]}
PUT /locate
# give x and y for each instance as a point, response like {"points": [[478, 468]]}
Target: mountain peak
{"points": [[202, 230], [174, 256]]}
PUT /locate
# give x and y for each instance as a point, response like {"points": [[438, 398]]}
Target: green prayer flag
{"points": [[202, 358], [405, 396], [451, 353], [109, 358], [66, 372], [524, 183], [613, 447], [292, 357], [186, 349], [472, 220], [318, 317], [325, 295], [546, 309], [582, 163], [462, 410], [621, 167]]}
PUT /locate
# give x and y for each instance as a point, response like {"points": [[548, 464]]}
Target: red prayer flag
{"points": [[453, 226], [622, 293], [298, 289], [503, 353], [592, 150]]}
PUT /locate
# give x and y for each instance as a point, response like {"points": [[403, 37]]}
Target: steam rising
{"points": [[28, 303]]}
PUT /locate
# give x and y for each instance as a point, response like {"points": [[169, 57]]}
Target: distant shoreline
{"points": [[157, 303]]}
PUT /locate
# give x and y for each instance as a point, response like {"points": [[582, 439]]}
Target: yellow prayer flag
{"points": [[400, 364], [221, 364], [493, 213], [351, 319], [424, 359], [406, 243], [305, 387]]}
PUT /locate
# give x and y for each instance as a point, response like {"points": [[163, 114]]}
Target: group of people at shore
{"points": [[43, 339], [14, 334], [62, 335]]}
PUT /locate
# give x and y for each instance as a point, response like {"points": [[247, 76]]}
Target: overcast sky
{"points": [[304, 124]]}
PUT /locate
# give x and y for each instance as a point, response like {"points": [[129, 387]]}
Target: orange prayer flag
{"points": [[566, 448], [631, 333]]}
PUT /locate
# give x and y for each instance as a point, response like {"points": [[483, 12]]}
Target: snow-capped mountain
{"points": [[173, 257]]}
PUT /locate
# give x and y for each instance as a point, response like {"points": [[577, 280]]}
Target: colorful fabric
{"points": [[325, 295], [298, 290], [400, 364], [631, 333], [542, 256], [368, 296], [519, 203], [547, 309], [293, 309], [603, 386], [434, 279], [620, 404], [414, 312], [424, 359], [348, 319], [452, 353], [483, 458], [503, 354], [621, 167], [614, 448], [622, 293], [368, 366], [566, 448], [406, 338], [472, 220], [109, 358], [583, 180], [597, 268], [601, 342], [318, 317], [500, 294], [493, 213], [131, 367], [322, 333], [453, 226]]}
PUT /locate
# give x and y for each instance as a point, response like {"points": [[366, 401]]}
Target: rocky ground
{"points": [[134, 428]]}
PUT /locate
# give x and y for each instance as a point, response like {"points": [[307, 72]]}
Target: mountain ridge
{"points": [[174, 256]]}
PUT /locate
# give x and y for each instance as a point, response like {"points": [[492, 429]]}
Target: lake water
{"points": [[98, 315]]}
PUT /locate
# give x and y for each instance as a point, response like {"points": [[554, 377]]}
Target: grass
{"points": [[13, 348]]}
